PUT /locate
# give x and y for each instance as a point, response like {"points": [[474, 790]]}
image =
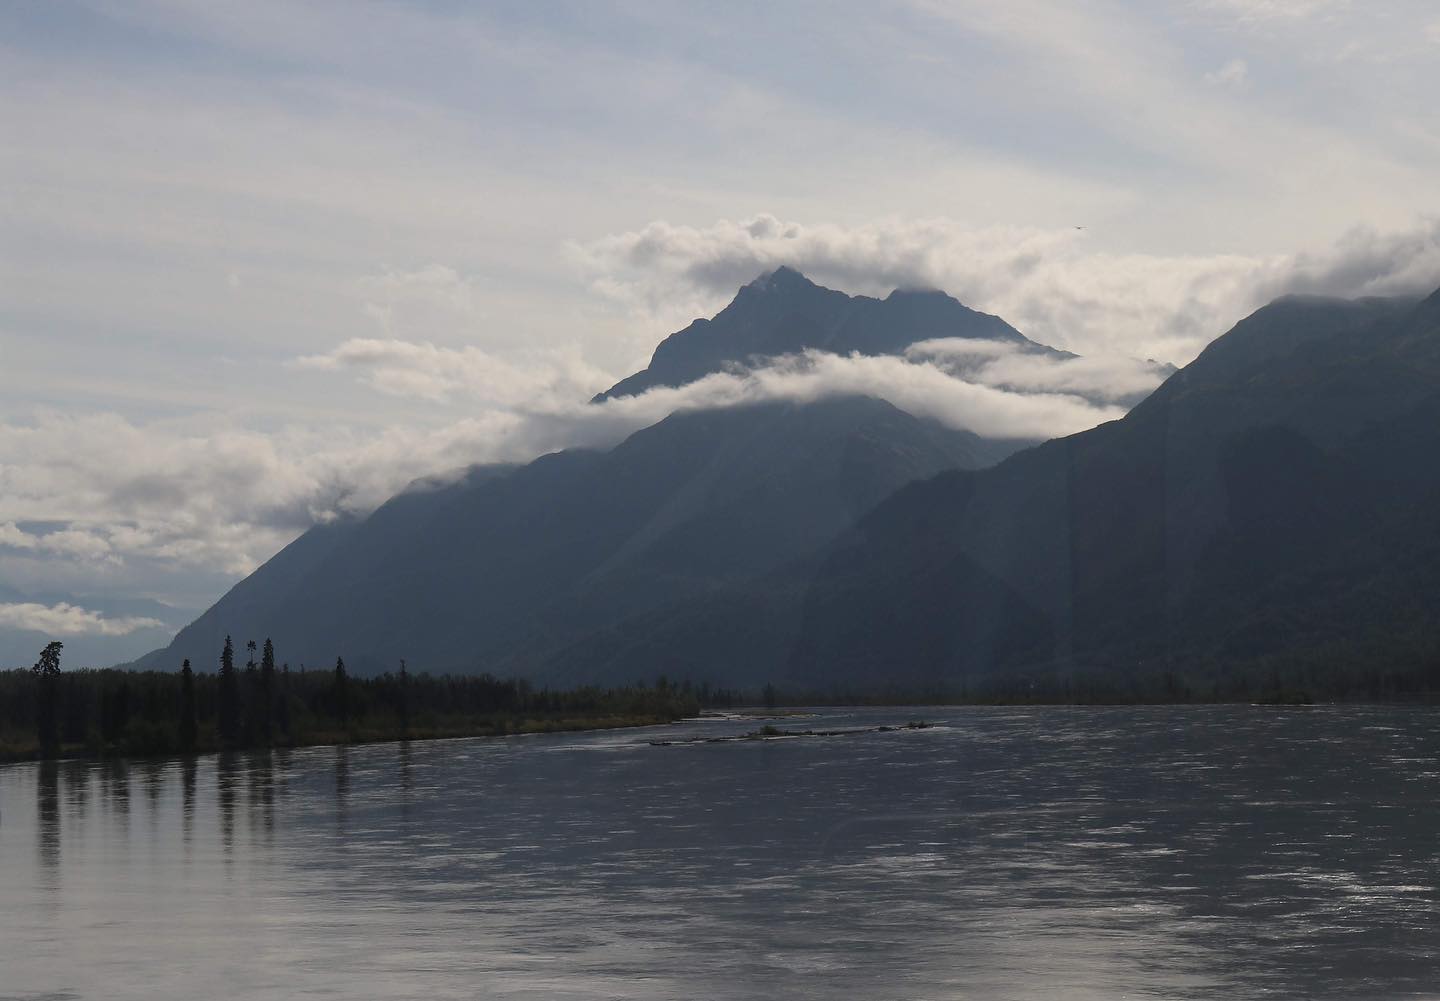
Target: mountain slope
{"points": [[509, 568], [783, 312], [1278, 496]]}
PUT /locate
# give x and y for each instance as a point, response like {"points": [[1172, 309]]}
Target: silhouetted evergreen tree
{"points": [[47, 672], [227, 708], [282, 714], [250, 718], [342, 694], [114, 711], [267, 693], [188, 730], [403, 698]]}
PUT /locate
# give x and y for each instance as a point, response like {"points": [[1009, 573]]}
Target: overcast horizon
{"points": [[264, 263]]}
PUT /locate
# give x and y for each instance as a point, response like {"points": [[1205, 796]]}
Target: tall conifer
{"points": [[47, 672], [267, 693], [342, 695], [227, 709], [187, 707]]}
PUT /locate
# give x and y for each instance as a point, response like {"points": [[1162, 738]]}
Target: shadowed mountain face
{"points": [[1275, 503], [785, 313], [1278, 498], [532, 570]]}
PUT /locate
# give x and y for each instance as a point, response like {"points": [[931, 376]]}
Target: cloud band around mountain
{"points": [[1052, 284]]}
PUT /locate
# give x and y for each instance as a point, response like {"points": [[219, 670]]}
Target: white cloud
{"points": [[69, 543], [1282, 10], [69, 620], [922, 388], [406, 368], [1003, 365], [1003, 393], [1232, 76], [225, 498], [1049, 283], [218, 497], [1257, 10]]}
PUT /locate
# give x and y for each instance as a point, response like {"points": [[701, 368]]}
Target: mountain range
{"points": [[552, 569], [1273, 503]]}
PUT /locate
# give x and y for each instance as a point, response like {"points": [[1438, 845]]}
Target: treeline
{"points": [[1343, 674], [46, 712]]}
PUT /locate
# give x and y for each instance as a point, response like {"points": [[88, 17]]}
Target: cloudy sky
{"points": [[262, 262]]}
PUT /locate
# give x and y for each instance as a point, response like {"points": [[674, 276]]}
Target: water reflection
{"points": [[152, 778], [261, 775], [227, 778], [115, 790], [405, 759], [47, 813], [189, 767], [342, 788], [75, 781]]}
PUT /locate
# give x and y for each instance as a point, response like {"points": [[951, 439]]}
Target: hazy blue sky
{"points": [[263, 261]]}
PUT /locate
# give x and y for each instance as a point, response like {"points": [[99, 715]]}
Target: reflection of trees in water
{"points": [[152, 777], [188, 768], [227, 777], [115, 788], [261, 793], [407, 779], [284, 759], [342, 787], [75, 783], [47, 812]]}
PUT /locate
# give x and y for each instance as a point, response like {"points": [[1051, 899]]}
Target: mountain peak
{"points": [[782, 312], [918, 292], [780, 278]]}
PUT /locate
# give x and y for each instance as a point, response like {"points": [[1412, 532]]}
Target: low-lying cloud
{"points": [[1008, 366], [226, 498], [1049, 283], [69, 620], [432, 372]]}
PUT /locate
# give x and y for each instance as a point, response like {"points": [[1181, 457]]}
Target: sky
{"points": [[263, 263]]}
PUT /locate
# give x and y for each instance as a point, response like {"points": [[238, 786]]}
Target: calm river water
{"points": [[1053, 853]]}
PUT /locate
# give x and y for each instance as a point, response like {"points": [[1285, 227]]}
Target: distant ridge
{"points": [[530, 570], [1272, 508]]}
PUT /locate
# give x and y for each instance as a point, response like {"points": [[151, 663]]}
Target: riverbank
{"points": [[13, 753]]}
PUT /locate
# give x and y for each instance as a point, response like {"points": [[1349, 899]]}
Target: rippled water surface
{"points": [[1050, 853]]}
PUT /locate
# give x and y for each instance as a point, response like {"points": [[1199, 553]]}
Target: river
{"points": [[1065, 853]]}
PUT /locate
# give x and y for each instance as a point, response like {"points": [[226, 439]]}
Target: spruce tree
{"points": [[404, 699], [342, 707], [282, 709], [187, 707], [250, 700], [47, 673], [227, 709], [267, 693]]}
